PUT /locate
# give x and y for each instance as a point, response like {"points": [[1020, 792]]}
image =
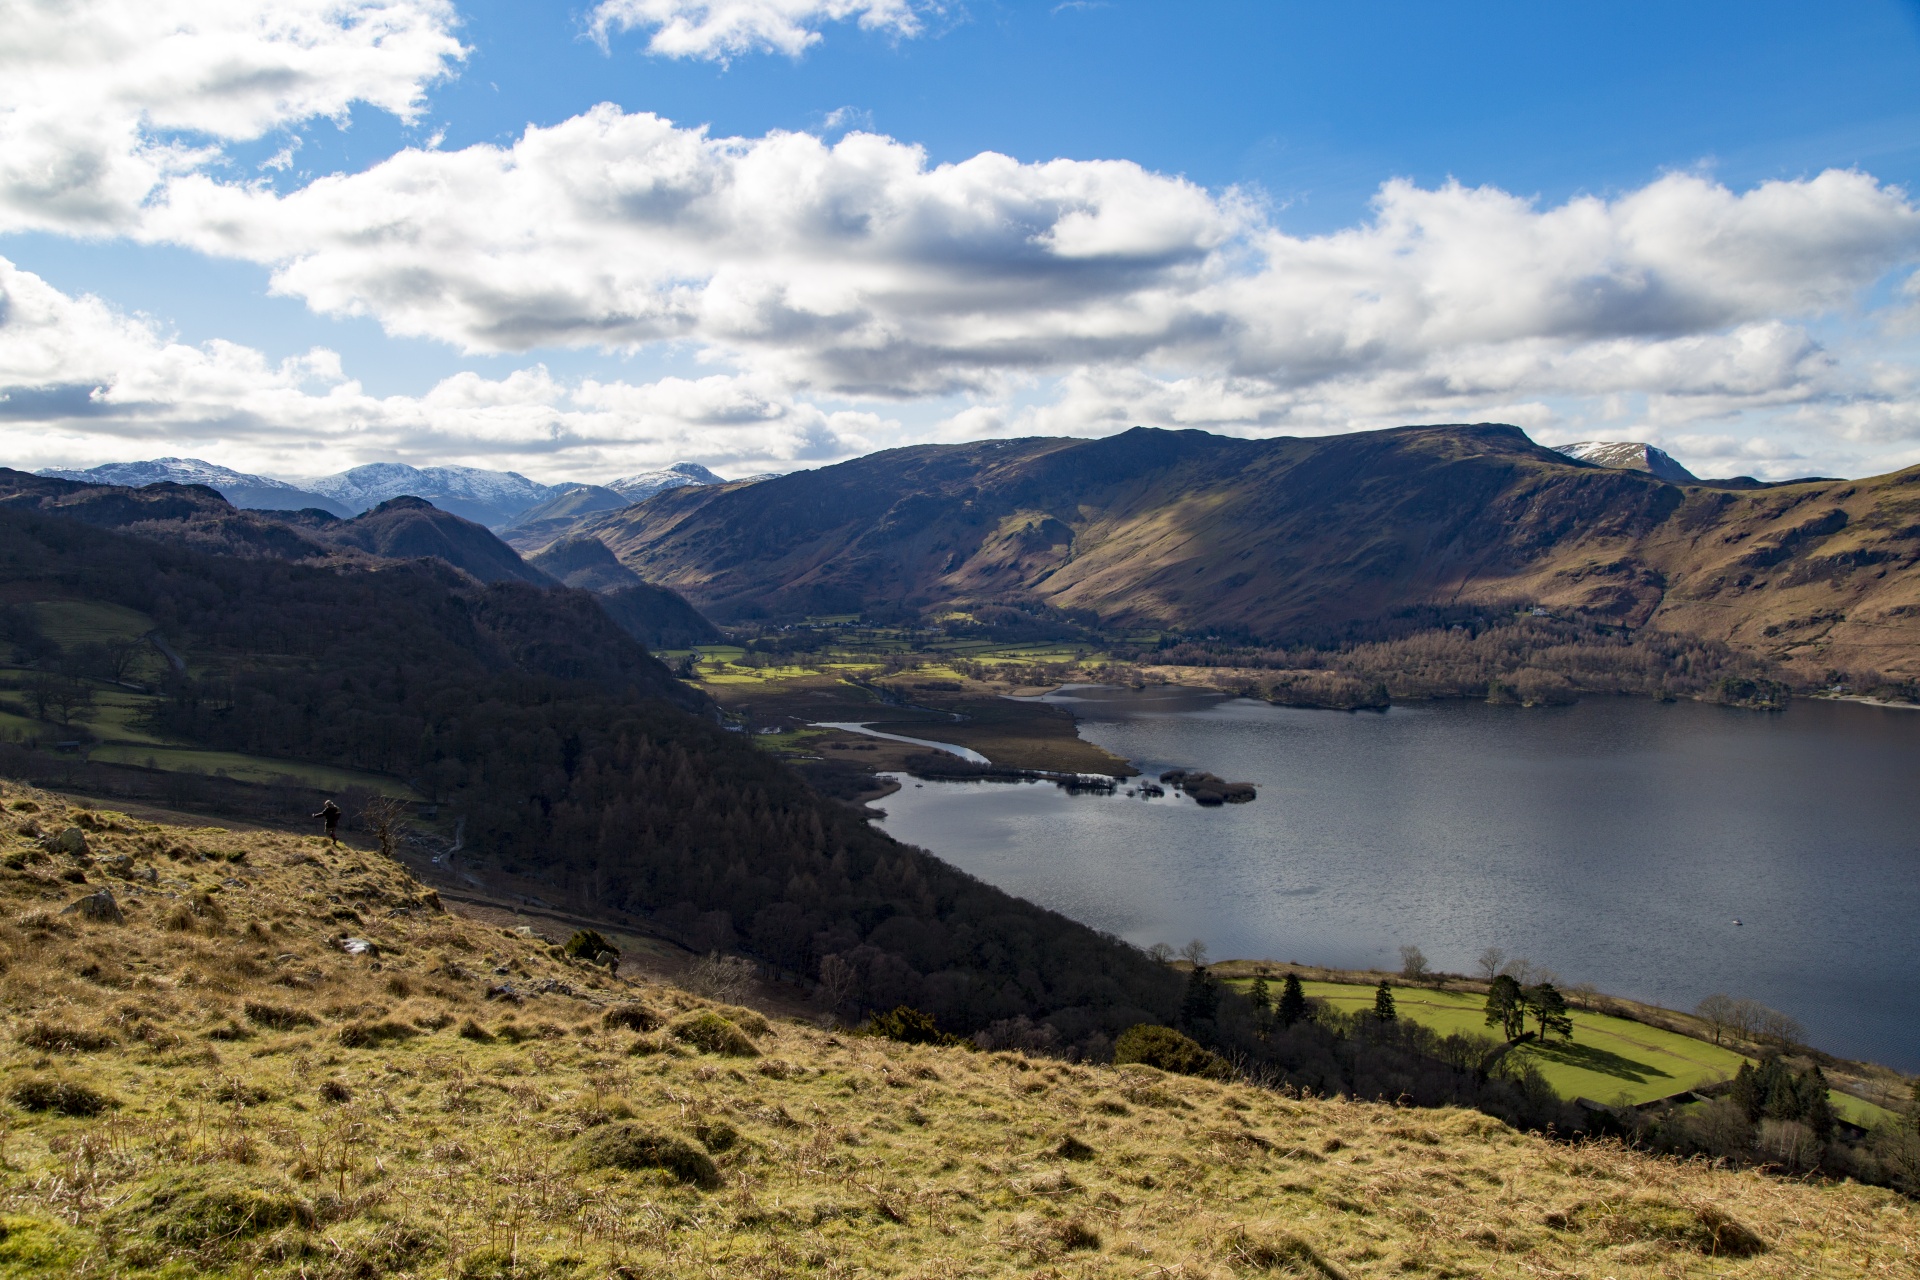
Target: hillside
{"points": [[409, 528], [559, 760], [199, 517], [285, 1059], [1290, 540]]}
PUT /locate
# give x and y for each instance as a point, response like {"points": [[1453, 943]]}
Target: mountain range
{"points": [[492, 498], [1288, 540]]}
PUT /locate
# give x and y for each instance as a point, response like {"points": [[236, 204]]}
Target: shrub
{"points": [[910, 1026], [275, 1018], [631, 1148], [711, 1033], [1167, 1049], [635, 1017], [65, 1097]]}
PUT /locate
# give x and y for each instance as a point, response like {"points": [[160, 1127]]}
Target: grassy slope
{"points": [[241, 1150]]}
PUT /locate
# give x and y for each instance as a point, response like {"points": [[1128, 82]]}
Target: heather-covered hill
{"points": [[1290, 540], [257, 1055]]}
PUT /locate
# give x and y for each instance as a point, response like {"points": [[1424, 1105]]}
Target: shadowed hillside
{"points": [[1292, 540]]}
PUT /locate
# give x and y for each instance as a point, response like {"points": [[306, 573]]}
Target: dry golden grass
{"points": [[268, 1105]]}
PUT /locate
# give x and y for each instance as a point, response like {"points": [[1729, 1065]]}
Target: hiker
{"points": [[330, 814]]}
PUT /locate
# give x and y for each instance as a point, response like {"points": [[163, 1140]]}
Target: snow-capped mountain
{"points": [[647, 483], [492, 498], [263, 493], [1629, 455]]}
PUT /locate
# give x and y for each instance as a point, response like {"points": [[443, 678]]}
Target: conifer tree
{"points": [[1506, 1006], [1260, 997], [1383, 1002], [1550, 1007], [1202, 998], [1293, 1001]]}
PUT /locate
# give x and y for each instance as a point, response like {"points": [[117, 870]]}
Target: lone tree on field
{"points": [[1383, 1002], [1413, 964], [1506, 1006], [1549, 1008], [1293, 1001]]}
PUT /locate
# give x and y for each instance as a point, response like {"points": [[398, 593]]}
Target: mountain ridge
{"points": [[241, 488], [1295, 538]]}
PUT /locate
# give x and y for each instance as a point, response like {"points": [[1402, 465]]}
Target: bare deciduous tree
{"points": [[1195, 953], [1717, 1011], [1413, 964], [384, 817], [1491, 962], [1161, 952], [837, 982], [720, 977]]}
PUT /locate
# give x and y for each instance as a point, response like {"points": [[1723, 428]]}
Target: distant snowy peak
{"points": [[167, 470], [1629, 455], [648, 483], [242, 489], [376, 482], [491, 498]]}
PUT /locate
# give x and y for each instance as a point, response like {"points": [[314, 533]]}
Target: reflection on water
{"points": [[1615, 842]]}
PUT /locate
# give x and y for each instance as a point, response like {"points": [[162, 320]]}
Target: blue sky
{"points": [[1640, 244]]}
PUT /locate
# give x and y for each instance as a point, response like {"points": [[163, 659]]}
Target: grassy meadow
{"points": [[215, 1087], [1610, 1059]]}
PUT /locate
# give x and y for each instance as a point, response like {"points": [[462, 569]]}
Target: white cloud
{"points": [[102, 100], [1066, 295], [82, 383], [722, 29], [859, 269]]}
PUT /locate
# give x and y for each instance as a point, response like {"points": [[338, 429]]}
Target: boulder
{"points": [[99, 906], [72, 841]]}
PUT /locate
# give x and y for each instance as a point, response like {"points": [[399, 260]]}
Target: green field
{"points": [[245, 768], [70, 622], [1611, 1060]]}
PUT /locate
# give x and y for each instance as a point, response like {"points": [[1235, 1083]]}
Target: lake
{"points": [[1614, 842]]}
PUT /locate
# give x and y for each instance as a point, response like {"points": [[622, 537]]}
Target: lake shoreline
{"points": [[1615, 840]]}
